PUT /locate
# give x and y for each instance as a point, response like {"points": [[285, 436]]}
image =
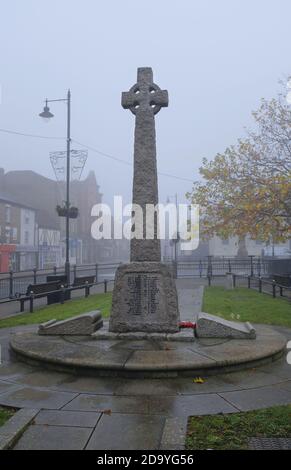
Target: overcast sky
{"points": [[216, 59]]}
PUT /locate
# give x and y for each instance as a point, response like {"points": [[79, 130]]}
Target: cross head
{"points": [[145, 94]]}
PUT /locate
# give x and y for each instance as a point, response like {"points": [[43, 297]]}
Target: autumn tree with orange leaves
{"points": [[247, 189]]}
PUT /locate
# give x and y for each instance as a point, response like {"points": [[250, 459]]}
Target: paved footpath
{"points": [[117, 413]]}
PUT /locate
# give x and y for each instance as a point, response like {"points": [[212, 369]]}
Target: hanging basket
{"points": [[62, 212]]}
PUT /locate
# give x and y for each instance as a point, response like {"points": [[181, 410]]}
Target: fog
{"points": [[216, 59]]}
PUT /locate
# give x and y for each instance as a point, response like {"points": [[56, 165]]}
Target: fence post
{"points": [[252, 266], [259, 267], [105, 286], [11, 284], [96, 271], [234, 280], [200, 268], [281, 291], [174, 269], [34, 276], [274, 288], [87, 289], [31, 297], [229, 266], [209, 266], [62, 296], [260, 284], [75, 271]]}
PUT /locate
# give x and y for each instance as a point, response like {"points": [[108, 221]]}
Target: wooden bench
{"points": [[84, 281], [39, 291]]}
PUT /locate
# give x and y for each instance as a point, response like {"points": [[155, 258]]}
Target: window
{"points": [[14, 234], [26, 217], [7, 234], [7, 214], [26, 237]]}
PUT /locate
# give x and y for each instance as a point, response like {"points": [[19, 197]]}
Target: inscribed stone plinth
{"points": [[144, 299]]}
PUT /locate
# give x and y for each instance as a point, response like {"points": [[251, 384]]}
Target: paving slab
{"points": [[254, 399], [174, 434], [45, 378], [127, 432], [27, 397], [12, 370], [7, 386], [147, 387], [99, 403], [190, 302], [43, 437], [94, 385], [81, 419], [281, 368], [167, 360], [15, 427], [189, 405]]}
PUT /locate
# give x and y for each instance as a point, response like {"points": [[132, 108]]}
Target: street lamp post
{"points": [[46, 114]]}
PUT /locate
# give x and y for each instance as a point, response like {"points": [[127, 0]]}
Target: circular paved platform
{"points": [[148, 358], [79, 412]]}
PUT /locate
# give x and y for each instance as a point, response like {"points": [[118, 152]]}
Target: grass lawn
{"points": [[232, 431], [5, 414], [69, 309], [242, 304]]}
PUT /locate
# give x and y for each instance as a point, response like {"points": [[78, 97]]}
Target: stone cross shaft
{"points": [[144, 100]]}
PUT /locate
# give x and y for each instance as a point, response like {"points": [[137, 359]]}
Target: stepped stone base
{"points": [[144, 299], [211, 326], [84, 324]]}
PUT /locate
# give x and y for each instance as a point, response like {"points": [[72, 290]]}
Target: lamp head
{"points": [[46, 114]]}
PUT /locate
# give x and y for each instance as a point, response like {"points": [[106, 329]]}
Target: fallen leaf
{"points": [[198, 380]]}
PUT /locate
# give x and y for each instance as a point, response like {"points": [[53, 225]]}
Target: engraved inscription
{"points": [[143, 294]]}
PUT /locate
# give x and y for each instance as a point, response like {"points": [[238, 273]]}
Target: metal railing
{"points": [[15, 284], [261, 284], [61, 292]]}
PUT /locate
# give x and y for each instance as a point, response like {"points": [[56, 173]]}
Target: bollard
{"points": [[96, 272], [105, 286]]}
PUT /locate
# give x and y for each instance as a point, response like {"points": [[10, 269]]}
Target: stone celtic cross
{"points": [[144, 100]]}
